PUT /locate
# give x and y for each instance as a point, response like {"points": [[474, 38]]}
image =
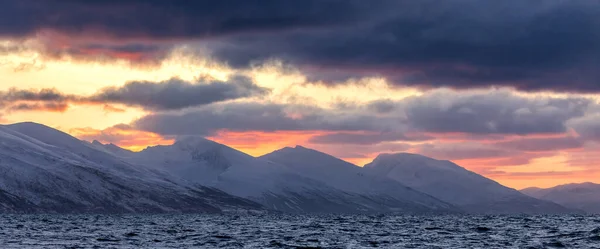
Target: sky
{"points": [[508, 89]]}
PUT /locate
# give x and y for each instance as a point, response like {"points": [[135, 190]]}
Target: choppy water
{"points": [[297, 231]]}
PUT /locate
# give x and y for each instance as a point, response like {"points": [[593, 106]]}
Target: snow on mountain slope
{"points": [[581, 196], [271, 184], [112, 149], [42, 169], [456, 185], [353, 179]]}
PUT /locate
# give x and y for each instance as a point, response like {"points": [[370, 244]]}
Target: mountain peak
{"points": [[194, 141], [299, 151], [29, 125], [293, 148], [45, 134]]}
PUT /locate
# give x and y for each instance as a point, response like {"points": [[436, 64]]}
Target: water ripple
{"points": [[297, 231]]}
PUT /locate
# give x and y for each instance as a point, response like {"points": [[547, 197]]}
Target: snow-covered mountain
{"points": [[112, 149], [456, 185], [368, 188], [272, 184], [581, 196], [212, 164], [45, 170]]}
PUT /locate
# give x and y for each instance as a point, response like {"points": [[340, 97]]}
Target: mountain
{"points": [[581, 196], [112, 149], [212, 164], [458, 186], [274, 185], [45, 170], [387, 194]]}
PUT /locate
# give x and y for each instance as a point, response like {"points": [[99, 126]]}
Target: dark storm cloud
{"points": [[173, 94], [494, 112], [489, 113], [530, 45], [257, 117], [144, 31], [176, 19], [178, 94]]}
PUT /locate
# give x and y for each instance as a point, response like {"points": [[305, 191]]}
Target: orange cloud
{"points": [[122, 136], [111, 108]]}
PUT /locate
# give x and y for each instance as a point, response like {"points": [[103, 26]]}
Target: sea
{"points": [[298, 231]]}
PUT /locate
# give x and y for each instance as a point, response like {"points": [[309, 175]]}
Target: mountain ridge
{"points": [[349, 177], [583, 196], [37, 175], [449, 182], [291, 179]]}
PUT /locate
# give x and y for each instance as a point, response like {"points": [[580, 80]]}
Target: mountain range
{"points": [[46, 170], [581, 196]]}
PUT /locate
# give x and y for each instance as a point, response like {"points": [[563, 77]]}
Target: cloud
{"points": [[479, 113], [17, 100], [542, 144], [587, 127], [528, 45], [111, 108], [47, 106], [537, 175], [177, 94], [491, 112], [144, 32], [517, 160], [49, 94], [123, 136], [461, 151], [382, 106], [361, 154], [175, 20], [147, 53], [173, 94], [252, 116], [365, 138], [588, 157]]}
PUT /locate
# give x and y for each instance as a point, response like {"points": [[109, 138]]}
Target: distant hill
{"points": [[367, 189], [456, 185], [582, 196]]}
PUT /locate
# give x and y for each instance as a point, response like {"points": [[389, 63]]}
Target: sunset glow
{"points": [[521, 127]]}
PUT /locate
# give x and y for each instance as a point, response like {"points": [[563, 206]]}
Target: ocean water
{"points": [[297, 231]]}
